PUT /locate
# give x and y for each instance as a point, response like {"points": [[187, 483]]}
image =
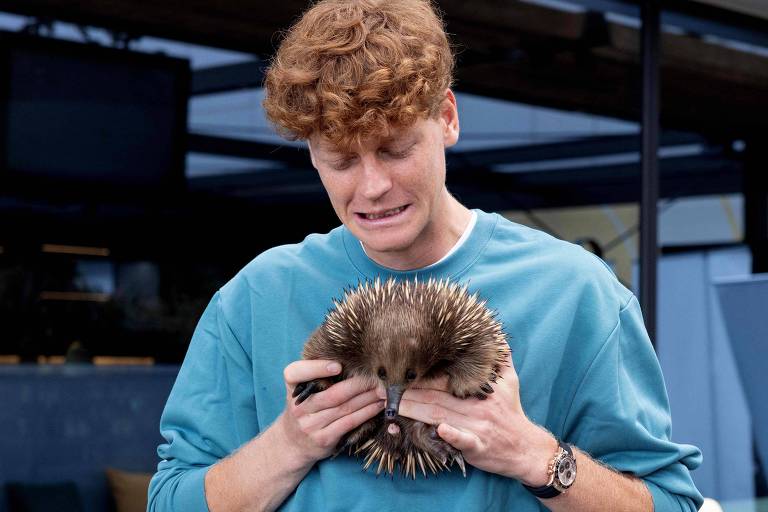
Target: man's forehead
{"points": [[392, 134]]}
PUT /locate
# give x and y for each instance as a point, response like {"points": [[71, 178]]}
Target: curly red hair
{"points": [[349, 69]]}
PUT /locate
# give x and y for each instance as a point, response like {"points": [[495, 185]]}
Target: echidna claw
{"points": [[299, 388], [303, 389]]}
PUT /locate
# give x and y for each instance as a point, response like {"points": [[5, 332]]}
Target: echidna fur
{"points": [[436, 328]]}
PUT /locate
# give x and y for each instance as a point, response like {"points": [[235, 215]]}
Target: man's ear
{"points": [[311, 154], [449, 116]]}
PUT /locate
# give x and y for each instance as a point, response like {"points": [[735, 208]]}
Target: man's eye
{"points": [[342, 164], [397, 153]]}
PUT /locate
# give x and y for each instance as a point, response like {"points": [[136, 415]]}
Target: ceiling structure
{"points": [[549, 57], [576, 60]]}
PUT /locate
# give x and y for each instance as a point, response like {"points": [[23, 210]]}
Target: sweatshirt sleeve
{"points": [[210, 413], [620, 416]]}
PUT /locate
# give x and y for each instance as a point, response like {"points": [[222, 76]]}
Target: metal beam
{"points": [[242, 148], [712, 172], [707, 174], [483, 159], [651, 29], [694, 18], [230, 77], [582, 147]]}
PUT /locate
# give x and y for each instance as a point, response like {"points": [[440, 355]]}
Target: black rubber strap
{"points": [[548, 491], [544, 492]]}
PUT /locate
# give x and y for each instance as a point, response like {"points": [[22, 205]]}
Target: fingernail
{"points": [[334, 367], [382, 403]]}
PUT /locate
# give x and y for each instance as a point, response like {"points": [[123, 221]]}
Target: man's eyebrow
{"points": [[336, 152], [332, 150], [332, 155], [402, 138]]}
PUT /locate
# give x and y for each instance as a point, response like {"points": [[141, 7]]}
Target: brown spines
{"points": [[444, 324], [375, 454], [345, 323]]}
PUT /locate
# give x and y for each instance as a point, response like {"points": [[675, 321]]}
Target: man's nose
{"points": [[376, 179]]}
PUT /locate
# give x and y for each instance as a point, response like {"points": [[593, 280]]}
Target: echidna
{"points": [[400, 334]]}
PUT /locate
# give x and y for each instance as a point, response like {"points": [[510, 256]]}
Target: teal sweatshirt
{"points": [[587, 370]]}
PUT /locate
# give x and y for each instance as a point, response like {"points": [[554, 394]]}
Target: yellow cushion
{"points": [[129, 489]]}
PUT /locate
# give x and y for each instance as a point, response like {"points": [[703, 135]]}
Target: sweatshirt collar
{"points": [[452, 267]]}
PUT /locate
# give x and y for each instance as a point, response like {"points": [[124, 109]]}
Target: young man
{"points": [[367, 84]]}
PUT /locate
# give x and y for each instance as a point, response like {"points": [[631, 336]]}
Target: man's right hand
{"points": [[313, 429], [264, 471]]}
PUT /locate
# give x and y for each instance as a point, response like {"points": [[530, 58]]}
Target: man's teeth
{"points": [[388, 213]]}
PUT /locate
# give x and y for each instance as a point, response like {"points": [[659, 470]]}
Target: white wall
{"points": [[708, 404]]}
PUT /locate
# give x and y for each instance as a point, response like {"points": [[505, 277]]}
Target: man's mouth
{"points": [[384, 214]]}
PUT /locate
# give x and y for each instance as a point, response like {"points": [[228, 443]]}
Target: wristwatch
{"points": [[561, 471]]}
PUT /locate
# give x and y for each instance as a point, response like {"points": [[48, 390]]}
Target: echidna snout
{"points": [[399, 362], [394, 394], [399, 344]]}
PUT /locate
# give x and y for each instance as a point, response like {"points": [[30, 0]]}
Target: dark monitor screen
{"points": [[89, 115]]}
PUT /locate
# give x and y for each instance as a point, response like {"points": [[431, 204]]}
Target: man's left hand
{"points": [[493, 434]]}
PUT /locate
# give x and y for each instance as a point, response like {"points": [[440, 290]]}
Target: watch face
{"points": [[566, 471]]}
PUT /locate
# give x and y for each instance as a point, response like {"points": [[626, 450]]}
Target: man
{"points": [[367, 84]]}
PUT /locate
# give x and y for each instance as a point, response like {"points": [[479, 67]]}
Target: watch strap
{"points": [[545, 491], [549, 490]]}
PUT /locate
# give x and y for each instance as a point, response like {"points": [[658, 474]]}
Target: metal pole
{"points": [[756, 202], [651, 18], [756, 236]]}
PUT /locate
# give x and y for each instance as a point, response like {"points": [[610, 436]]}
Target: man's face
{"points": [[390, 191]]}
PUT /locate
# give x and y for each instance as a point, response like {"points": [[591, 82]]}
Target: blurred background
{"points": [[138, 174]]}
